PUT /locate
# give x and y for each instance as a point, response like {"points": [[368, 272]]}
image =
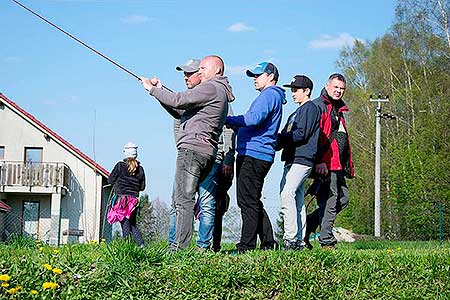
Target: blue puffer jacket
{"points": [[258, 127]]}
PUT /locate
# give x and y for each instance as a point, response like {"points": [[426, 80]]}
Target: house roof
{"points": [[30, 118], [4, 207]]}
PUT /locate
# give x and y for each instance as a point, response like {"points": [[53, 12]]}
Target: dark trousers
{"points": [[222, 204], [332, 198], [191, 169], [255, 221], [129, 227]]}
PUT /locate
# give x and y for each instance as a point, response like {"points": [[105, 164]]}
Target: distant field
{"points": [[361, 270]]}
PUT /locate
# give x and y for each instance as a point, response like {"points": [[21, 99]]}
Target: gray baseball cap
{"points": [[190, 66]]}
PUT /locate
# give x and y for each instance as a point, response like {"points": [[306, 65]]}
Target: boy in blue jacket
{"points": [[298, 139], [256, 140]]}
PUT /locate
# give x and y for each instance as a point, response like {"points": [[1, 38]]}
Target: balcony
{"points": [[34, 177]]}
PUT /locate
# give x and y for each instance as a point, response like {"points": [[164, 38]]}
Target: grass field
{"points": [[360, 270]]}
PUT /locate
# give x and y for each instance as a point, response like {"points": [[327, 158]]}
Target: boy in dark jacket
{"points": [[298, 139]]}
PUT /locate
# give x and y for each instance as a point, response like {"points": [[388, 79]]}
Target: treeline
{"points": [[411, 64]]}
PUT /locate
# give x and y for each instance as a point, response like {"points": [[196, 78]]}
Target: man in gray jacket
{"points": [[206, 107]]}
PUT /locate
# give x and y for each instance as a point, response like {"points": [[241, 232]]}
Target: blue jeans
{"points": [[207, 205], [191, 169], [293, 210]]}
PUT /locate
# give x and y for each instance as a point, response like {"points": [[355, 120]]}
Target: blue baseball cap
{"points": [[263, 67]]}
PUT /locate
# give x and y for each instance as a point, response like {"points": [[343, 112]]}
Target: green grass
{"points": [[360, 270]]}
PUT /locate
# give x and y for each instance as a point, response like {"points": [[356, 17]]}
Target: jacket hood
{"points": [[280, 91], [339, 103], [223, 80]]}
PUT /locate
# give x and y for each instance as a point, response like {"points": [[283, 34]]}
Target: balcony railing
{"points": [[48, 175]]}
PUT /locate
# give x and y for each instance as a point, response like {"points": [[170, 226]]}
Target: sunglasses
{"points": [[189, 74]]}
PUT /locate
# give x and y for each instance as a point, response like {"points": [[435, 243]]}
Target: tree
{"points": [[411, 63], [153, 218]]}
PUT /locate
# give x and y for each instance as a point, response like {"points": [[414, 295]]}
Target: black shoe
{"points": [[307, 242], [308, 245], [269, 246]]}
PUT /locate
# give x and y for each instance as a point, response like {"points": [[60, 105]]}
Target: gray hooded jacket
{"points": [[205, 109]]}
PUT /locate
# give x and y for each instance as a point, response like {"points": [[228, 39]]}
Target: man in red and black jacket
{"points": [[333, 162]]}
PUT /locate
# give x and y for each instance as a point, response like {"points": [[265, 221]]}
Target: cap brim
{"points": [[252, 74], [288, 85], [187, 69]]}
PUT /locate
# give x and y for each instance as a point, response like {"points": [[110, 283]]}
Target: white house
{"points": [[56, 193]]}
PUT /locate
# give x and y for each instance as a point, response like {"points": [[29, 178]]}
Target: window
{"points": [[30, 218], [2, 152], [33, 155]]}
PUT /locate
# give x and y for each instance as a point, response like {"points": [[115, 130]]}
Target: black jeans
{"points": [[255, 221], [129, 227], [332, 198]]}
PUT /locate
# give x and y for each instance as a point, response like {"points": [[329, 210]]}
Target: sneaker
{"points": [[300, 246], [173, 248], [290, 245]]}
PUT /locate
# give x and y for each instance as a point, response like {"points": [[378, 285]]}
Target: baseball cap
{"points": [[263, 67], [190, 66], [300, 81]]}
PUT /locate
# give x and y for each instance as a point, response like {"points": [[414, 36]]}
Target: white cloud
{"points": [[240, 27], [135, 19], [328, 41], [49, 102], [12, 59]]}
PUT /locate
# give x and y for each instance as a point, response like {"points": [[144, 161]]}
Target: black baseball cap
{"points": [[300, 81]]}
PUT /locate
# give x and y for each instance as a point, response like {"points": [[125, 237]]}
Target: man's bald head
{"points": [[210, 66]]}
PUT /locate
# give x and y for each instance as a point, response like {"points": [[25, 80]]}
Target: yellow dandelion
{"points": [[390, 251], [5, 277], [399, 248], [55, 251], [34, 292], [41, 249], [48, 267], [103, 241], [5, 284], [49, 285], [57, 271], [92, 242], [11, 291]]}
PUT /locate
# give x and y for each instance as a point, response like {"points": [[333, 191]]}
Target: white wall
{"points": [[80, 209]]}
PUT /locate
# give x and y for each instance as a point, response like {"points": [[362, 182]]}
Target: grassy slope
{"points": [[362, 270]]}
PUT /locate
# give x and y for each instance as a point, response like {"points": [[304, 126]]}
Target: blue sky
{"points": [[95, 105]]}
